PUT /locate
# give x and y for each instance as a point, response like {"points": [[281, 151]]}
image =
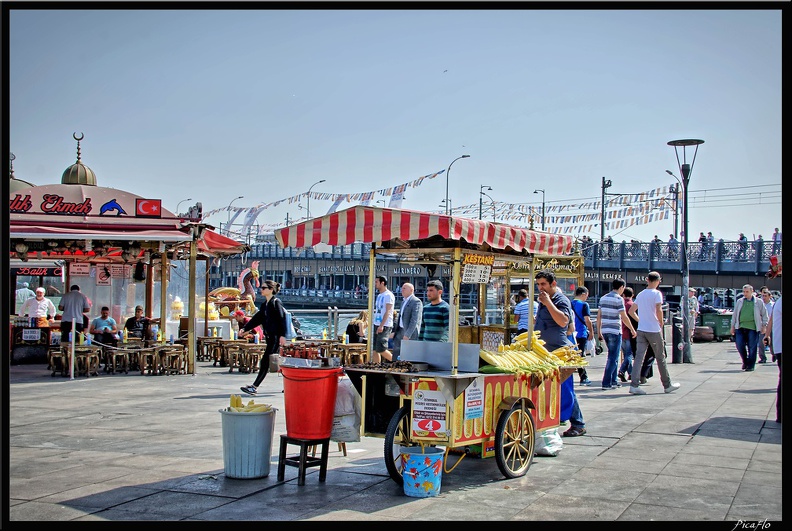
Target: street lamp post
{"points": [[446, 205], [481, 197], [228, 222], [605, 185], [308, 206], [543, 207], [179, 204], [685, 169], [493, 205], [448, 172], [675, 191]]}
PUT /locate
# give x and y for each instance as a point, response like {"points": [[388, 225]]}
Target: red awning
{"points": [[370, 224], [214, 243]]}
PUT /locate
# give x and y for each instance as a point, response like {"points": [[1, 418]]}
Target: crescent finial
{"points": [[82, 135]]}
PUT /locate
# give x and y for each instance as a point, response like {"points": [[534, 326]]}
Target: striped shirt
{"points": [[435, 322], [610, 305]]}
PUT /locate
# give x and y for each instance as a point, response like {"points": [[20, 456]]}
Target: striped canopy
{"points": [[367, 224]]}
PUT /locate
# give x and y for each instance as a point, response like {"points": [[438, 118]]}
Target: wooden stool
{"points": [[341, 448], [236, 358], [62, 356], [119, 359], [302, 461], [147, 359]]}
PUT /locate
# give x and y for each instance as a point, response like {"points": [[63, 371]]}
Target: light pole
{"points": [[481, 197], [446, 204], [685, 169], [448, 172], [308, 206], [179, 204], [605, 185], [675, 190], [543, 207], [493, 205], [228, 222]]}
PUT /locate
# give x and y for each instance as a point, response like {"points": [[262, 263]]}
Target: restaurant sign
{"points": [[37, 271], [79, 269], [561, 266]]}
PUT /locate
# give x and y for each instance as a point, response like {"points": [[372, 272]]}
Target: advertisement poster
{"points": [[429, 411], [80, 269], [474, 399]]}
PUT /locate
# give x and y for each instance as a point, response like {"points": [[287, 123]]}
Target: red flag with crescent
{"points": [[148, 208]]}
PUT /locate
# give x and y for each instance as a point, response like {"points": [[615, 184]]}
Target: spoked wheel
{"points": [[515, 437], [397, 434]]}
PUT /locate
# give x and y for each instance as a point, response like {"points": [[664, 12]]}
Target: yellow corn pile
{"points": [[528, 355], [251, 407]]}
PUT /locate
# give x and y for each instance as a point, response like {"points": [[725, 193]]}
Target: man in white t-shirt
{"points": [[648, 310], [383, 320]]}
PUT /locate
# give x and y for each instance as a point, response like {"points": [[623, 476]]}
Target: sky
{"points": [[209, 105]]}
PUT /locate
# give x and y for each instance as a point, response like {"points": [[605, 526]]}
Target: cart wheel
{"points": [[515, 438], [397, 434]]}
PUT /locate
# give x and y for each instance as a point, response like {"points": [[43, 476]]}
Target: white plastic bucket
{"points": [[247, 443]]}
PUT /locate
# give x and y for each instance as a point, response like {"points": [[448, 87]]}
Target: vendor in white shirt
{"points": [[40, 308]]}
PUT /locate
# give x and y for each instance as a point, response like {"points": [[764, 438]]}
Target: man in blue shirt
{"points": [[104, 329], [584, 330], [552, 321], [436, 314], [522, 310]]}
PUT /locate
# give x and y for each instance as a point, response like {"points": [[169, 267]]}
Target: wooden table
{"points": [[86, 359], [221, 347], [245, 356], [352, 353]]}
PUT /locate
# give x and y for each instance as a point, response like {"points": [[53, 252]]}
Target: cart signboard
{"points": [[430, 410], [477, 268]]}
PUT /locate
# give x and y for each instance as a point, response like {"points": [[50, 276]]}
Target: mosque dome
{"points": [[16, 184], [79, 173]]}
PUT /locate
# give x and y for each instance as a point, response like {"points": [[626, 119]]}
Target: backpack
{"points": [[290, 332]]}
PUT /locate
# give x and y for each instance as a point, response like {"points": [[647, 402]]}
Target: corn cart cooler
{"points": [[447, 402]]}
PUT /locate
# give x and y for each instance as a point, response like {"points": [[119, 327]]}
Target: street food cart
{"points": [[435, 394]]}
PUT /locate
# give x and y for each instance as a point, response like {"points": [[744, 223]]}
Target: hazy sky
{"points": [[213, 104]]}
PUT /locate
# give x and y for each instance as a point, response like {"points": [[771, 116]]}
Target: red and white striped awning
{"points": [[371, 224]]}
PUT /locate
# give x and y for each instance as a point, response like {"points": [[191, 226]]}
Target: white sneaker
{"points": [[636, 391], [671, 388]]}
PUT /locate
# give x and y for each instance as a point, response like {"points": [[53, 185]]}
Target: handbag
{"points": [[590, 349], [290, 332]]}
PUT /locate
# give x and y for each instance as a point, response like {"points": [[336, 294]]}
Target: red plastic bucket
{"points": [[309, 396]]}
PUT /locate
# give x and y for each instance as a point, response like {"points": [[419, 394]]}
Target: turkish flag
{"points": [[148, 208]]}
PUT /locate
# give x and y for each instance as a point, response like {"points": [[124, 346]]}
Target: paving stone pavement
{"points": [[132, 447]]}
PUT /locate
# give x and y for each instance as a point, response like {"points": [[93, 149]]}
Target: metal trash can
{"points": [[247, 443], [677, 346]]}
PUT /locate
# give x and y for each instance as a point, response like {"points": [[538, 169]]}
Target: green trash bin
{"points": [[720, 324]]}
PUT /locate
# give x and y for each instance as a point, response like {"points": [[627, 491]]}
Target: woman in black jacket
{"points": [[272, 318]]}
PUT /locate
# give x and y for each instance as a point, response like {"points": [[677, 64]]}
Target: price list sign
{"points": [[476, 268]]}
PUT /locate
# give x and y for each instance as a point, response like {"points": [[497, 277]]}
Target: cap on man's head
{"points": [[239, 313], [692, 289], [139, 307], [39, 289], [25, 285]]}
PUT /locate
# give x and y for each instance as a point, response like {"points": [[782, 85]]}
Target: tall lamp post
{"points": [[543, 207], [493, 205], [481, 198], [446, 204], [228, 221], [308, 206], [179, 204], [685, 169], [448, 172]]}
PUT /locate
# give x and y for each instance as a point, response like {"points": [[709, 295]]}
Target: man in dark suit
{"points": [[408, 324]]}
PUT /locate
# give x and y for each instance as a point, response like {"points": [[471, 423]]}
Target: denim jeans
{"points": [[613, 341], [627, 363], [747, 342], [576, 417]]}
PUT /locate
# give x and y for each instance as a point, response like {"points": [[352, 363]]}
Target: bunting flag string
{"points": [[621, 211]]}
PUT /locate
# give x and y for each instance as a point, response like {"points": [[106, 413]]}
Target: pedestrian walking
{"points": [[749, 320], [272, 319]]}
